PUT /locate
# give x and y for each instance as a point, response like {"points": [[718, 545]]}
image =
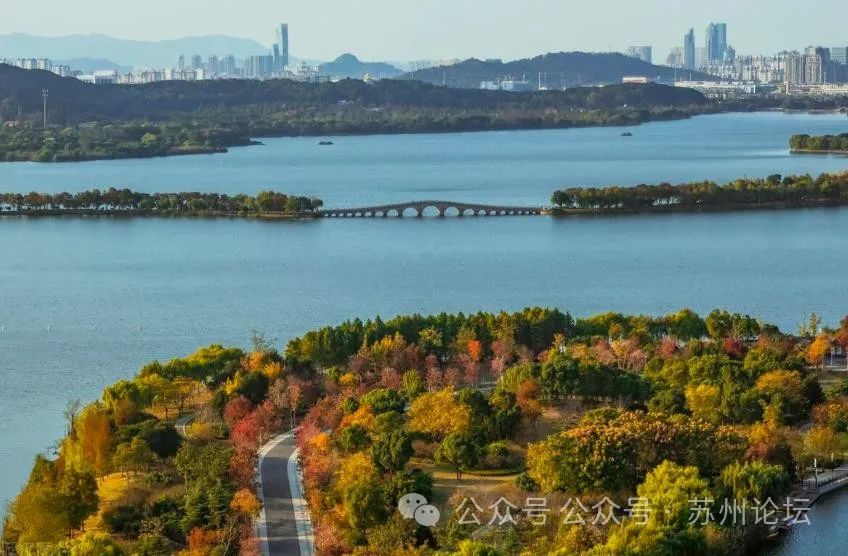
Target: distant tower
{"points": [[44, 93], [283, 43], [689, 50], [181, 63]]}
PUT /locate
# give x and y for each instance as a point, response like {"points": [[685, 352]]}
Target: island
{"points": [[823, 144], [125, 202], [485, 433], [772, 192]]}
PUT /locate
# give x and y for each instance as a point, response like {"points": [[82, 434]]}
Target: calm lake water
{"points": [[84, 302]]}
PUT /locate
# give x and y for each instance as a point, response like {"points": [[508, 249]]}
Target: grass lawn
{"points": [[109, 490], [445, 482]]}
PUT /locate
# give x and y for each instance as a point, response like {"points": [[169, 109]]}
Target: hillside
{"points": [[566, 68], [348, 65], [72, 101], [90, 65]]}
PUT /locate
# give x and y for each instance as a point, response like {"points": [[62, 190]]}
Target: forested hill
{"points": [[567, 68], [71, 101]]}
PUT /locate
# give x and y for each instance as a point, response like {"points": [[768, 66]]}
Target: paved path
{"points": [[182, 425], [284, 525]]}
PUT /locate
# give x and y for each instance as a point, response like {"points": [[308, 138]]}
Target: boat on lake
{"points": [[325, 143]]}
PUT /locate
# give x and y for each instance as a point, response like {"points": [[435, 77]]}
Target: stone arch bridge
{"points": [[417, 208]]}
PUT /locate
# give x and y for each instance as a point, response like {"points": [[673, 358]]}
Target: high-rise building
{"points": [[282, 59], [794, 69], [212, 65], [816, 60], [675, 57], [641, 52], [689, 50], [196, 62], [181, 63], [258, 67], [721, 35], [715, 43], [839, 54]]}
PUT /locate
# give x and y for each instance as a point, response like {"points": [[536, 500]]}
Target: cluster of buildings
{"points": [[39, 64], [816, 70], [275, 64]]}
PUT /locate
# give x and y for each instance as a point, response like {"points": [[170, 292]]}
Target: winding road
{"points": [[284, 526]]}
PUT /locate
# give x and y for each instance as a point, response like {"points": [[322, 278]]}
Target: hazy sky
{"points": [[419, 29]]}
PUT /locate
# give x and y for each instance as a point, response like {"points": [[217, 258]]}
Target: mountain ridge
{"points": [[558, 68], [349, 66], [126, 52]]}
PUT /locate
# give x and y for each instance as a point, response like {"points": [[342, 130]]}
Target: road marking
{"points": [[262, 522], [301, 511]]}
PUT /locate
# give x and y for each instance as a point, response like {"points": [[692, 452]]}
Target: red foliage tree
{"points": [[236, 410]]}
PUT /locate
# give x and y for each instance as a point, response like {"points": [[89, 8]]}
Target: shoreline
{"points": [[678, 209], [256, 138], [817, 151], [126, 214]]}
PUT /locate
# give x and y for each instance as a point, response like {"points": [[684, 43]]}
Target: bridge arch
{"points": [[428, 208]]}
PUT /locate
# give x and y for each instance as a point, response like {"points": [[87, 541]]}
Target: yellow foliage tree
{"points": [[363, 416], [818, 349], [438, 413], [355, 470], [704, 401], [94, 434], [787, 385], [246, 503]]}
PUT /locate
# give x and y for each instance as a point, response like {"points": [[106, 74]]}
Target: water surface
{"points": [[84, 302]]}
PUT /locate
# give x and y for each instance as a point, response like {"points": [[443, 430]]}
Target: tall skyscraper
{"points": [[689, 50], [715, 43], [283, 44], [721, 32]]}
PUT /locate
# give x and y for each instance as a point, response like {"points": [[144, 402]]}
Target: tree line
{"points": [[774, 190], [128, 201], [820, 143]]}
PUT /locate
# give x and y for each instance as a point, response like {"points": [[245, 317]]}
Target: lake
{"points": [[85, 301], [513, 167]]}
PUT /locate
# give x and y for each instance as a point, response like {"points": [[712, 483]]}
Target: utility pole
{"points": [[44, 98]]}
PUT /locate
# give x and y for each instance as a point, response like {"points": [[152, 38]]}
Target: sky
{"points": [[402, 30]]}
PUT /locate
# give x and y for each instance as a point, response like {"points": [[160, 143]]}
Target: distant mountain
{"points": [[89, 65], [126, 52], [348, 65], [566, 68]]}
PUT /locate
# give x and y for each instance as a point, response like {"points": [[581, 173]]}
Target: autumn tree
{"points": [[438, 413], [818, 350], [824, 444]]}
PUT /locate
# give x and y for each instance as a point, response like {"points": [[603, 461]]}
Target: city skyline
{"points": [[410, 30]]}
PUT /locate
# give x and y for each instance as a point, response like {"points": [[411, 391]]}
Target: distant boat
{"points": [[325, 143], [627, 134]]}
